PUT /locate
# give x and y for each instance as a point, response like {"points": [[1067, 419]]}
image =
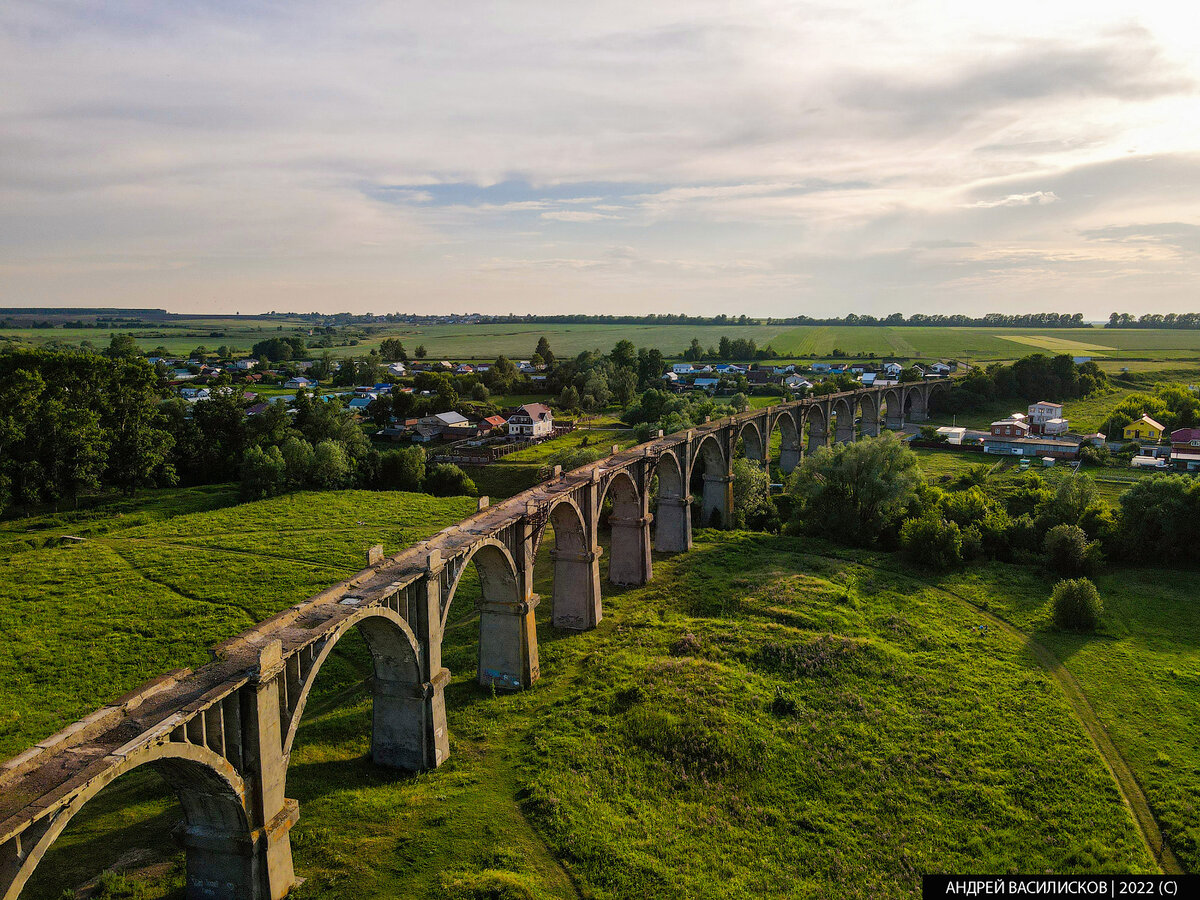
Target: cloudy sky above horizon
{"points": [[758, 157]]}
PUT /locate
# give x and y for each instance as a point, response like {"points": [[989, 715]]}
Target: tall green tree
{"points": [[543, 350], [856, 492]]}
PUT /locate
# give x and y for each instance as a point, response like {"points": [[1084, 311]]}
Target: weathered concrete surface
{"points": [[222, 735]]}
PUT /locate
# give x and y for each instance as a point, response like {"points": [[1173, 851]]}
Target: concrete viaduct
{"points": [[221, 736]]}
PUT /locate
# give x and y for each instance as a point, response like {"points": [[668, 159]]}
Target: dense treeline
{"points": [[1032, 378], [1154, 320], [871, 493], [991, 320], [74, 422]]}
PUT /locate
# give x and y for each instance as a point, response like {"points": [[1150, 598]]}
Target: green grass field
{"points": [[1114, 348], [88, 622], [763, 719]]}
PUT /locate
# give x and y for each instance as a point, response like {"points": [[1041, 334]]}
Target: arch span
{"points": [[818, 427], [711, 464], [401, 712], [223, 861], [789, 444], [576, 600], [867, 411], [673, 526], [507, 634], [629, 556], [843, 413], [892, 401], [753, 442]]}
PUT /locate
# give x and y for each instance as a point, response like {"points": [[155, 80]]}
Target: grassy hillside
{"points": [[763, 719], [148, 592]]}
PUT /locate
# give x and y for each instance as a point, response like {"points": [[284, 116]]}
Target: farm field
{"points": [[734, 728], [1113, 348]]}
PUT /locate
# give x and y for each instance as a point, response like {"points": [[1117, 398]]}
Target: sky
{"points": [[757, 157]]}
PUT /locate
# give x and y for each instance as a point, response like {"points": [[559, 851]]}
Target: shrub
{"points": [[448, 480], [1068, 550], [1076, 605], [932, 541]]}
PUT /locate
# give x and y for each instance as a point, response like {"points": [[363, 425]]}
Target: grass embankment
{"points": [[150, 590], [1141, 673], [760, 720]]}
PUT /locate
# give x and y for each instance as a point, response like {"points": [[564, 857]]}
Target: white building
{"points": [[682, 368], [533, 420]]}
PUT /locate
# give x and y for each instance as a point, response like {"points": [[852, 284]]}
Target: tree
{"points": [[447, 480], [694, 352], [297, 461], [932, 541], [752, 504], [393, 350], [380, 410], [725, 348], [624, 387], [624, 355], [480, 393], [122, 345], [263, 473], [1160, 519], [543, 350], [569, 398], [420, 351], [856, 492], [330, 467], [402, 470], [909, 375], [1069, 552], [1076, 605], [138, 445], [739, 402]]}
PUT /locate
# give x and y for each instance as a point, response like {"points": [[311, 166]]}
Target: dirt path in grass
{"points": [[1131, 792]]}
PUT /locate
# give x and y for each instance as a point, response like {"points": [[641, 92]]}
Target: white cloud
{"points": [[1034, 198], [257, 156]]}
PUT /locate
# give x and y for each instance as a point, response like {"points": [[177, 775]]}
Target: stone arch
{"points": [[843, 412], [576, 561], [629, 554], [507, 633], [893, 399], [673, 525], [216, 835], [868, 413], [497, 574], [915, 407], [941, 387], [753, 441], [709, 462], [818, 427], [400, 719], [789, 445]]}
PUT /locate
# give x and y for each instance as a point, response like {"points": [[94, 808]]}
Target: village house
{"points": [[1144, 429], [300, 381], [245, 364], [1012, 427], [1045, 417], [451, 425], [682, 368], [797, 383], [533, 420], [1185, 449], [491, 424]]}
